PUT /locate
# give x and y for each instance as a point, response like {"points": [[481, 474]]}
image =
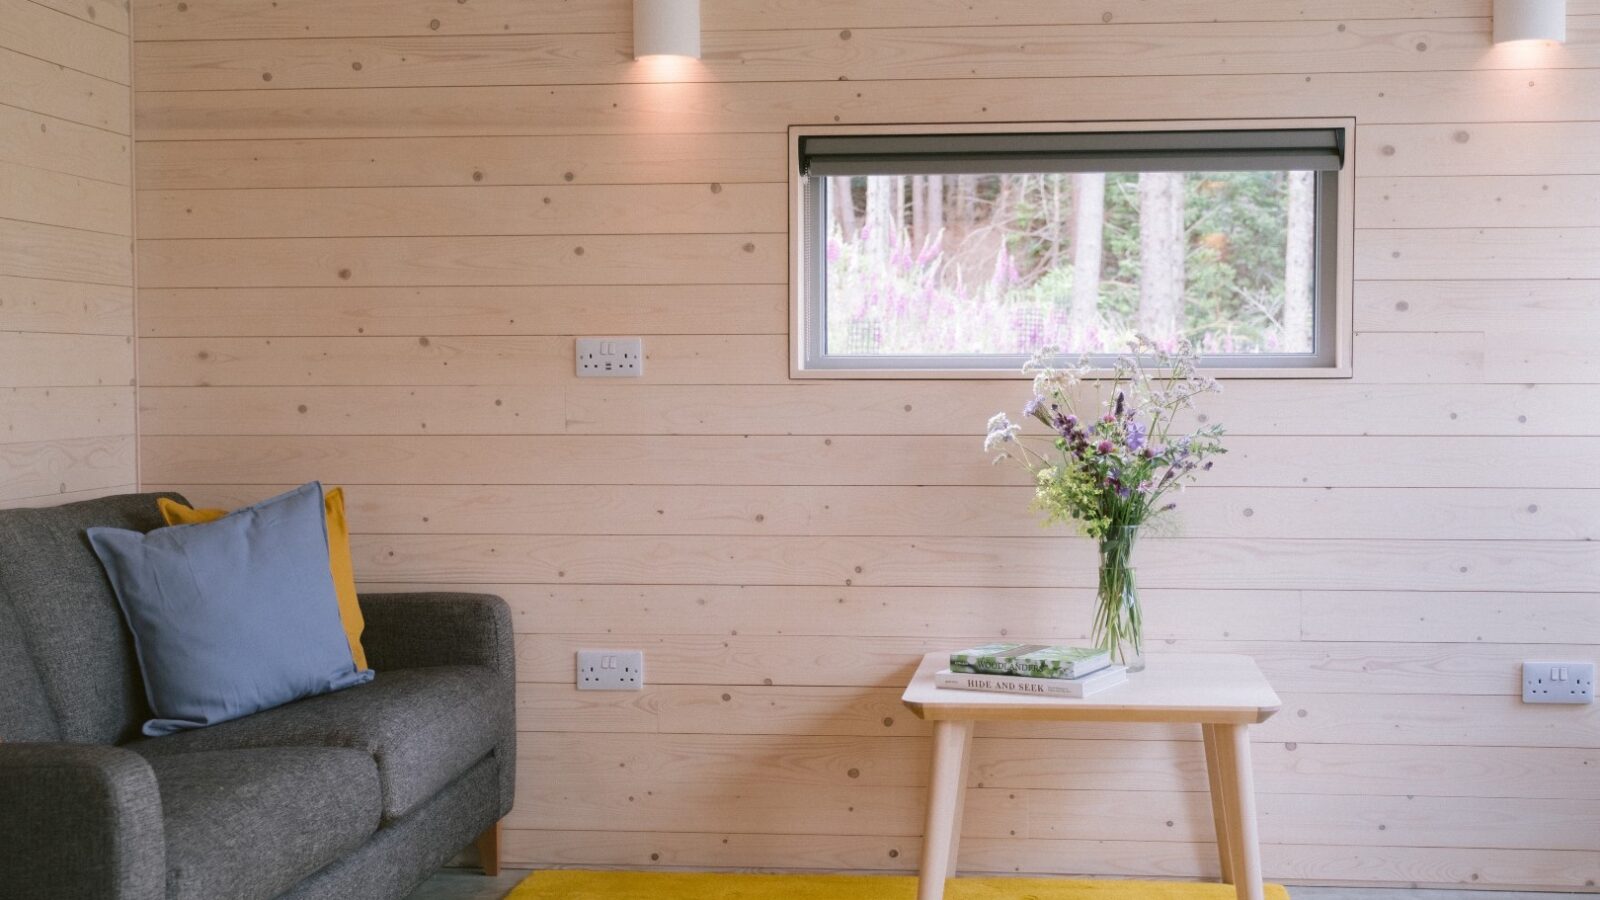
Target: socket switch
{"points": [[1557, 682], [610, 357], [610, 670]]}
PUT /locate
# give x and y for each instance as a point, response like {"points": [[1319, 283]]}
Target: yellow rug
{"points": [[573, 885]]}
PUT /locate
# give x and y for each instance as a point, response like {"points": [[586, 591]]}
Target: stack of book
{"points": [[1032, 669]]}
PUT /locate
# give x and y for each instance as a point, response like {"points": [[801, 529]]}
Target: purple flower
{"points": [[1108, 418], [1103, 447], [1136, 434], [1120, 401]]}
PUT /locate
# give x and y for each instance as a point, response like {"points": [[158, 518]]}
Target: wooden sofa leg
{"points": [[489, 850]]}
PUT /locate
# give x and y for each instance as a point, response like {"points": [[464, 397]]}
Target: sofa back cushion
{"points": [[58, 610]]}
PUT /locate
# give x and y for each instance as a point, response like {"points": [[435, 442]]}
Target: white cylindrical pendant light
{"points": [[1530, 20], [666, 28]]}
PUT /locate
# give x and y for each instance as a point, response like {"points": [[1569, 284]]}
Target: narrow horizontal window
{"points": [[967, 252]]}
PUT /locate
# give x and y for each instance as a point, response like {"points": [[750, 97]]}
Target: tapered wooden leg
{"points": [[489, 850], [961, 806], [1243, 839], [1220, 788], [952, 741]]}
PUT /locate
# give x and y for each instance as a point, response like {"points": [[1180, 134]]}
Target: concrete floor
{"points": [[468, 884]]}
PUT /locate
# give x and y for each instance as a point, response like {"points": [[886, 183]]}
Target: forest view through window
{"points": [[1222, 249]]}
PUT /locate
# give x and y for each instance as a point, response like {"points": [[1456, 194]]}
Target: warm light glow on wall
{"points": [[1530, 20], [666, 28]]}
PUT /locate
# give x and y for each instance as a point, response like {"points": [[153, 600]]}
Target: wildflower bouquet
{"points": [[1112, 463]]}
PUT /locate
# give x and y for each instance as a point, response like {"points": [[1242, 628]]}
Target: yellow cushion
{"points": [[339, 564]]}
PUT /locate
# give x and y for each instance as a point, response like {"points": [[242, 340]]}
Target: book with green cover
{"points": [[1030, 660]]}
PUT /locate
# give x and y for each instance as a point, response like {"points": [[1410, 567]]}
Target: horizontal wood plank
{"points": [[461, 161], [29, 414], [108, 14], [456, 360], [1408, 867], [64, 254], [498, 210], [43, 142], [1556, 95], [1497, 306], [66, 360], [45, 87], [1255, 512], [1097, 814], [1480, 617], [32, 304], [71, 201], [40, 468], [642, 760], [857, 54], [445, 311], [950, 613], [1501, 201], [1251, 461], [59, 498], [1377, 719], [1486, 253], [1478, 148], [463, 261], [481, 369], [163, 19], [55, 36], [977, 562]]}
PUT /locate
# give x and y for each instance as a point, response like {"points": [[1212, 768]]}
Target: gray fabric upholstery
{"points": [[417, 630], [25, 713], [424, 727], [65, 614], [283, 803], [403, 854], [79, 822], [250, 824]]}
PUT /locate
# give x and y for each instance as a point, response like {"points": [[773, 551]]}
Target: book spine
{"points": [[1007, 685]]}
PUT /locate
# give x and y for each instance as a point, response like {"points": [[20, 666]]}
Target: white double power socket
{"points": [[1557, 682], [610, 357], [610, 670]]}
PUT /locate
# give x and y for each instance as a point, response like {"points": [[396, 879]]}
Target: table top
{"points": [[1214, 688]]}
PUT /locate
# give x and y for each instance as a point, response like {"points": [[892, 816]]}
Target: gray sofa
{"points": [[353, 795]]}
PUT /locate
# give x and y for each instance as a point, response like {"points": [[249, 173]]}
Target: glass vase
{"points": [[1118, 620]]}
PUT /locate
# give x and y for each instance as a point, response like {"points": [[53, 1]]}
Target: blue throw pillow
{"points": [[234, 616]]}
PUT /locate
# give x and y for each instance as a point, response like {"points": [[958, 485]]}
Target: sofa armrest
{"points": [[419, 630], [79, 820]]}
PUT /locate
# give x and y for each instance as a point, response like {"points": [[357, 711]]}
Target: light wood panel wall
{"points": [[370, 229], [67, 405]]}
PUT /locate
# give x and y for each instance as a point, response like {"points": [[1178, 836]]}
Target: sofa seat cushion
{"points": [[248, 824], [423, 727]]}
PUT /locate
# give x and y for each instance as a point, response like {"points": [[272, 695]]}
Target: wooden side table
{"points": [[1223, 694]]}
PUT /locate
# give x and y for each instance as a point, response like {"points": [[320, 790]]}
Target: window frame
{"points": [[1333, 314]]}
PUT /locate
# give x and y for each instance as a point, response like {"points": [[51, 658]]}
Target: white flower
{"points": [[1001, 431]]}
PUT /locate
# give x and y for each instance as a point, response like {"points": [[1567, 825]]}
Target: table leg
{"points": [[1243, 839], [1220, 790], [952, 743]]}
